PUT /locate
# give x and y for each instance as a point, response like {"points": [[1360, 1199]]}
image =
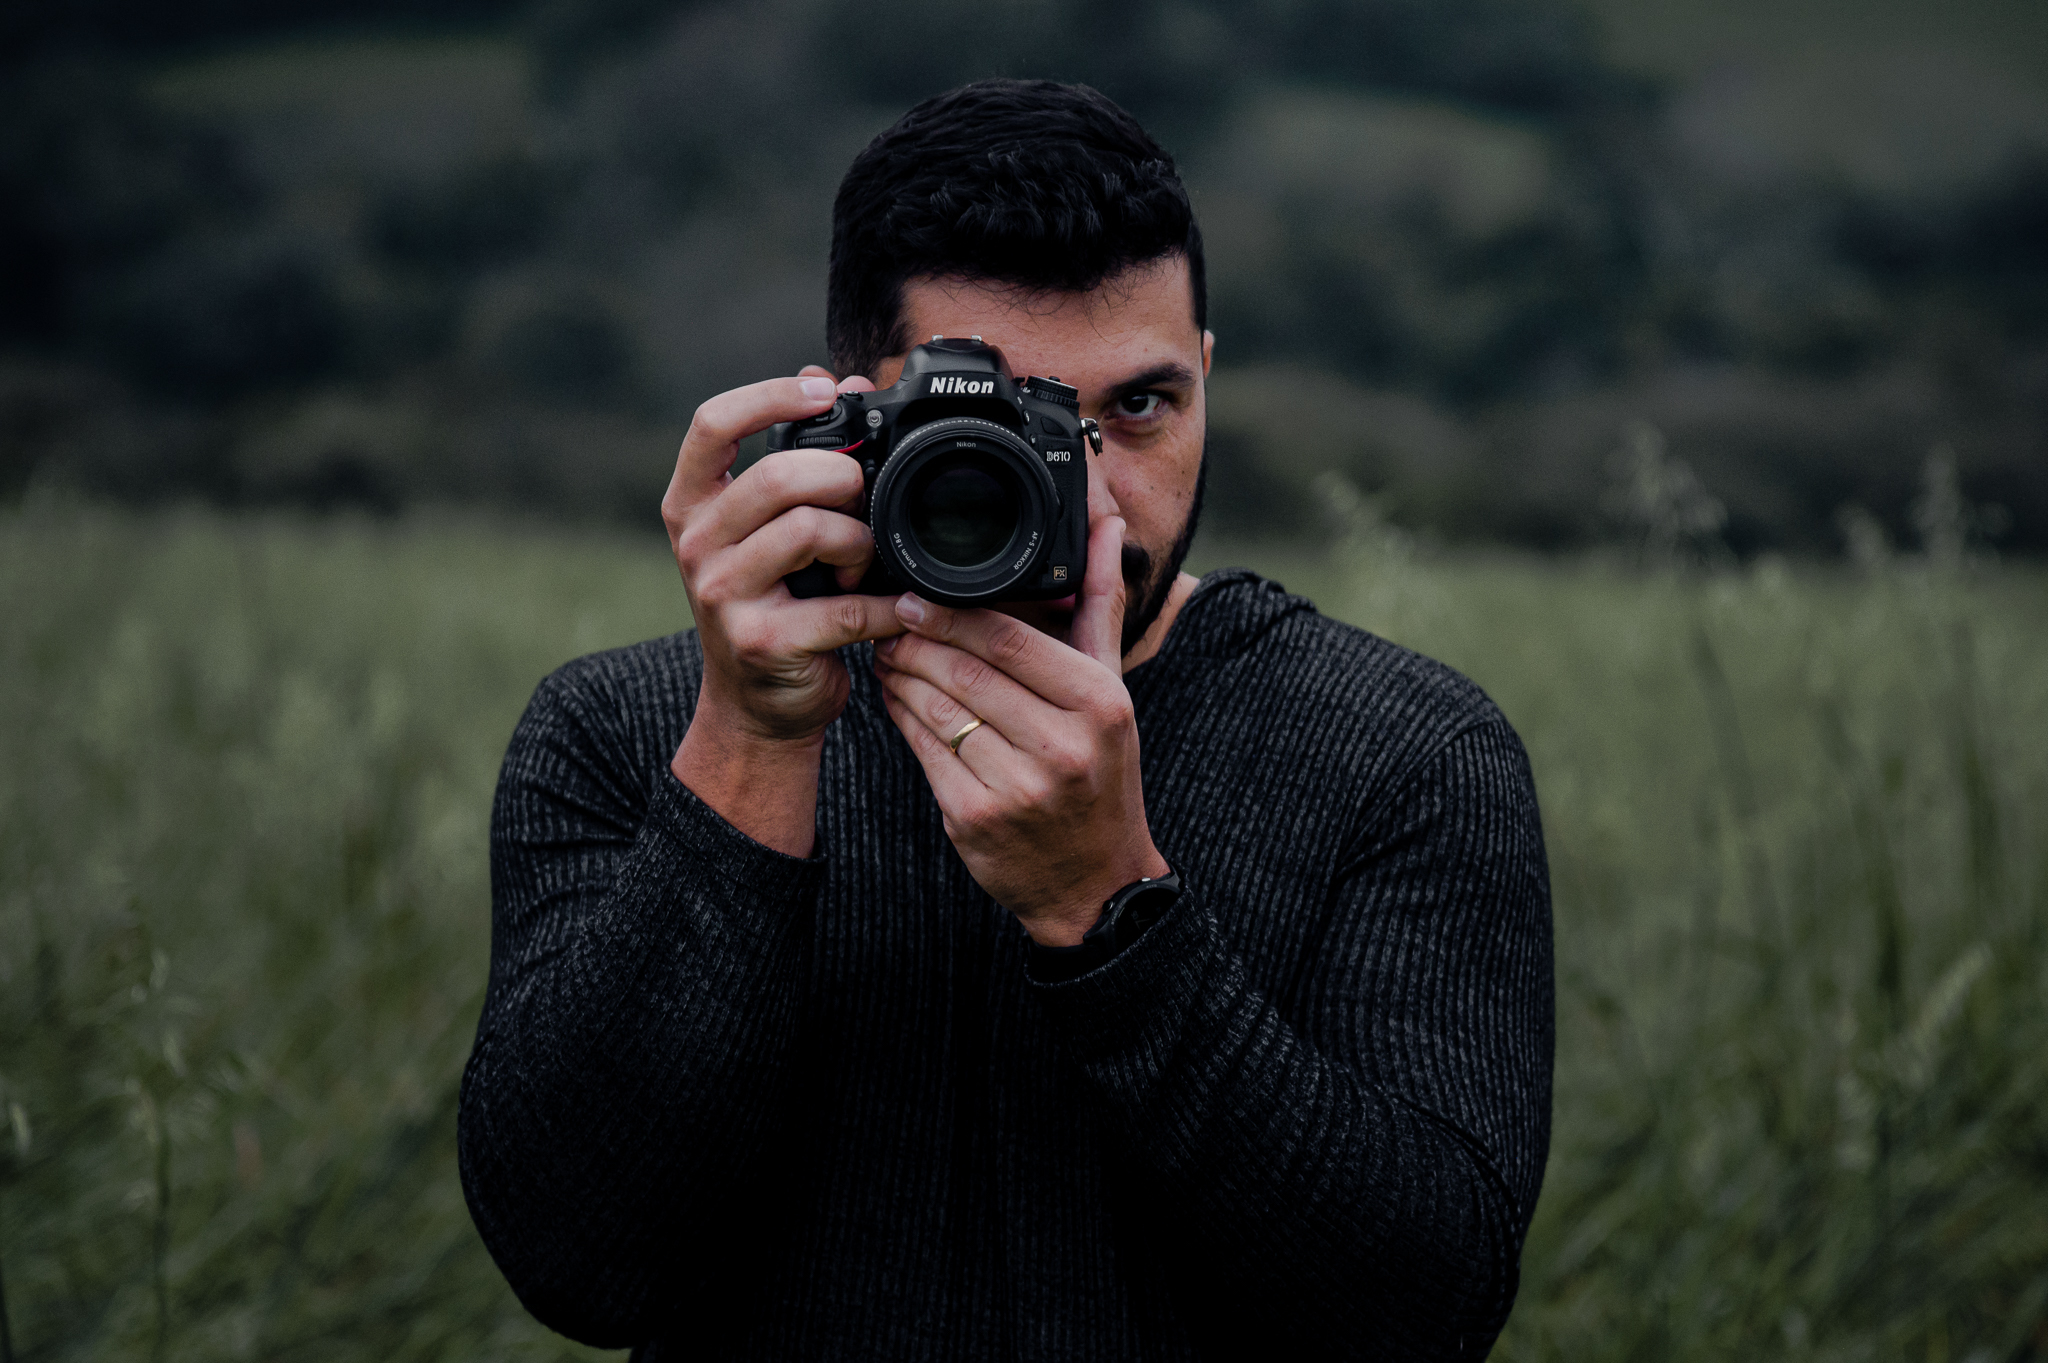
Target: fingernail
{"points": [[909, 609], [817, 390]]}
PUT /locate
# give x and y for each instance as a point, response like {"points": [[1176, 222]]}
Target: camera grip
{"points": [[813, 579]]}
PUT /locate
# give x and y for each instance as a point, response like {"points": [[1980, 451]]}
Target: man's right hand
{"points": [[772, 680]]}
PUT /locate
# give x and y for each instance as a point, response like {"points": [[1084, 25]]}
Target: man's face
{"points": [[1131, 346]]}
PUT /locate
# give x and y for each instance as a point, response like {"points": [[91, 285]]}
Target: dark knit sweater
{"points": [[728, 1103]]}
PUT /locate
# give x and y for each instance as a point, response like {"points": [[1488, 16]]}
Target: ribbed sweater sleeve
{"points": [[1357, 1173], [645, 975]]}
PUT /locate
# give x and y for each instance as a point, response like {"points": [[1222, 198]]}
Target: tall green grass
{"points": [[1796, 824], [244, 781], [1798, 831]]}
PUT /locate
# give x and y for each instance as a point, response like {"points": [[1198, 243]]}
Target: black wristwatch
{"points": [[1125, 916]]}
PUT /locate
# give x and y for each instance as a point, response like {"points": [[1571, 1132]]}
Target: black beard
{"points": [[1146, 590]]}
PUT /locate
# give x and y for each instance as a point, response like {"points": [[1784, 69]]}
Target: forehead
{"points": [[1143, 316]]}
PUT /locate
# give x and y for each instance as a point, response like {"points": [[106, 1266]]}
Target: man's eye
{"points": [[1139, 404]]}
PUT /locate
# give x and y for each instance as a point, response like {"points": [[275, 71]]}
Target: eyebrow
{"points": [[1171, 374]]}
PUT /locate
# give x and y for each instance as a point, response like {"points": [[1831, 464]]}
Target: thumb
{"points": [[1098, 629]]}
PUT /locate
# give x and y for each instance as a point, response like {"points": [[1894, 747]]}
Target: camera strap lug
{"points": [[1093, 431]]}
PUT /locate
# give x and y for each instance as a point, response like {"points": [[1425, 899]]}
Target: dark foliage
{"points": [[93, 180], [1459, 204], [215, 318], [485, 215], [33, 28]]}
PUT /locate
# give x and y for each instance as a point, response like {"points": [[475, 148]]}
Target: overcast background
{"points": [[1481, 258]]}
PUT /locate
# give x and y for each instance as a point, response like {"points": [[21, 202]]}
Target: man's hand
{"points": [[771, 680], [1044, 800]]}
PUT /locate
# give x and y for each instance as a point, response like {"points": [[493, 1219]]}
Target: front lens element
{"points": [[963, 508]]}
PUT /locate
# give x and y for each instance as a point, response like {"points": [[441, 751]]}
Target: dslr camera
{"points": [[975, 485]]}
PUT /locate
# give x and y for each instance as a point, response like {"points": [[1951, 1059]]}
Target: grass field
{"points": [[1798, 827]]}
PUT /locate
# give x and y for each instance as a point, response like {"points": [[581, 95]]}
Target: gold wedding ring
{"points": [[957, 739]]}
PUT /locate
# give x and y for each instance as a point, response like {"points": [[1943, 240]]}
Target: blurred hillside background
{"points": [[1479, 257]]}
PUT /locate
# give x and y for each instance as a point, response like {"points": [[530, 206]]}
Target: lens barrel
{"points": [[963, 510]]}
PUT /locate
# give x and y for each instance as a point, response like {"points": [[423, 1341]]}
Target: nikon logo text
{"points": [[962, 386]]}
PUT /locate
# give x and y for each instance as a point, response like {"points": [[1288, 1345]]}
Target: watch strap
{"points": [[1124, 918]]}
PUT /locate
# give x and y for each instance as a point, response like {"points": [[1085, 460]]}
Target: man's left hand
{"points": [[1044, 799]]}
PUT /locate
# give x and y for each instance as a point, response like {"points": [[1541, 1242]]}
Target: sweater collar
{"points": [[1228, 609]]}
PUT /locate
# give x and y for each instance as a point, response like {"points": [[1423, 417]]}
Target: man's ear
{"points": [[1208, 351]]}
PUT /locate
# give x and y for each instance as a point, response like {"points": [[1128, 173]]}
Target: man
{"points": [[793, 1048]]}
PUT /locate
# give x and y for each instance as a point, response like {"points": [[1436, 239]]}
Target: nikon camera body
{"points": [[975, 486]]}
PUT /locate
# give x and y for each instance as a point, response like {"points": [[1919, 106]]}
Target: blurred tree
{"points": [[92, 180], [215, 317], [33, 29], [489, 213], [1453, 225], [1535, 57], [569, 347]]}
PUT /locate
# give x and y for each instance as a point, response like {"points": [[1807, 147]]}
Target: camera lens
{"points": [[963, 511]]}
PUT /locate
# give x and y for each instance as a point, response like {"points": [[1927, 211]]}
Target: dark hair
{"points": [[1044, 186]]}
